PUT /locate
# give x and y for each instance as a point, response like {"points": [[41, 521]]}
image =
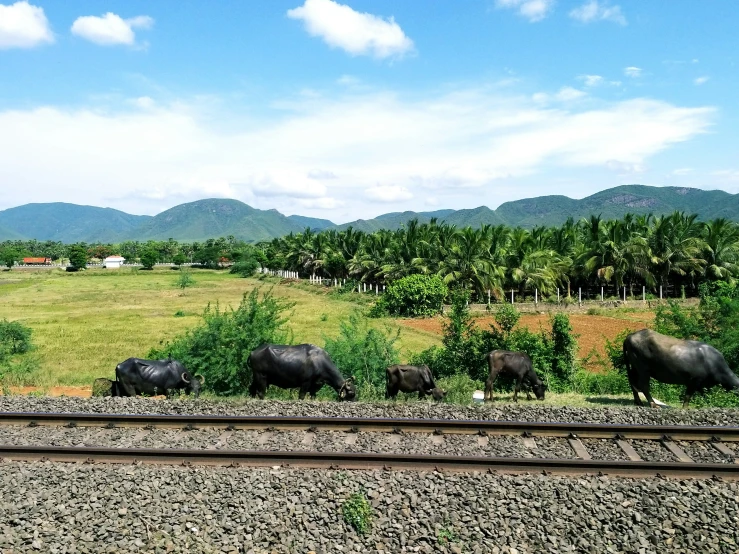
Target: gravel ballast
{"points": [[59, 508], [523, 411]]}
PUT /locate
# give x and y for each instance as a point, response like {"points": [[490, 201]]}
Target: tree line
{"points": [[675, 251]]}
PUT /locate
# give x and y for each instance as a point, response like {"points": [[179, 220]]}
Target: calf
{"points": [[519, 366], [411, 378]]}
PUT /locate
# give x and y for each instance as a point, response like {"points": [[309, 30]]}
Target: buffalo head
{"points": [[437, 393], [192, 383], [348, 391], [539, 389]]}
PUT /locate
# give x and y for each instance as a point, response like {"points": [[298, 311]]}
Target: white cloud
{"points": [[348, 81], [632, 71], [565, 94], [727, 174], [594, 10], [591, 80], [286, 183], [355, 32], [387, 193], [701, 80], [624, 168], [321, 174], [110, 29], [533, 10], [432, 201], [325, 203], [144, 102], [682, 171], [380, 146], [23, 25]]}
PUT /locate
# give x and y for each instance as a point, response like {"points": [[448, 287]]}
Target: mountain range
{"points": [[215, 217]]}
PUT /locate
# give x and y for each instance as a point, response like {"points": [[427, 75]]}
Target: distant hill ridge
{"points": [[215, 217]]}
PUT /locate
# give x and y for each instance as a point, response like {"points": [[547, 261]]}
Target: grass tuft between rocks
{"points": [[358, 513]]}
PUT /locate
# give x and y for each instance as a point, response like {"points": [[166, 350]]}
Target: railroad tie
{"points": [[580, 449], [222, 440], [678, 452], [629, 451], [725, 450]]}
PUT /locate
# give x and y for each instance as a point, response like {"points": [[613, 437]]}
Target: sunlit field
{"points": [[85, 323]]}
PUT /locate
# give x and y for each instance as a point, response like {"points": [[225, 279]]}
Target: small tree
{"points": [[9, 256], [78, 257], [149, 258], [412, 296], [179, 259], [184, 279]]}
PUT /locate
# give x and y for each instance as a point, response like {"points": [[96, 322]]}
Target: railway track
{"points": [[721, 440]]}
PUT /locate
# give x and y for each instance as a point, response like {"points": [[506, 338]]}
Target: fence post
{"points": [[377, 290], [511, 296], [660, 292], [644, 293], [579, 295], [488, 296], [557, 295], [601, 294], [624, 294]]}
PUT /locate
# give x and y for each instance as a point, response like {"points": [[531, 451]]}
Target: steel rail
{"points": [[350, 424], [363, 461]]}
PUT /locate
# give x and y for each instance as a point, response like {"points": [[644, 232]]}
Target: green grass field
{"points": [[85, 323]]}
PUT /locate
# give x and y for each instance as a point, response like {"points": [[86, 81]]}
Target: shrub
{"points": [[363, 352], [15, 338], [413, 296], [10, 256], [219, 347], [184, 279], [77, 257], [179, 259], [149, 258], [357, 513], [245, 267]]}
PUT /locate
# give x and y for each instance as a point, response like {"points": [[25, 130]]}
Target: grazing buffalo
{"points": [[694, 364], [519, 366], [411, 378], [152, 377], [304, 366]]}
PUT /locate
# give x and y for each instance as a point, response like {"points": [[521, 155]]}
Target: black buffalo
{"points": [[152, 377], [411, 378], [519, 366], [694, 364], [303, 366]]}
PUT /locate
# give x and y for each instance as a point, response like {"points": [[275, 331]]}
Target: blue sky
{"points": [[350, 109]]}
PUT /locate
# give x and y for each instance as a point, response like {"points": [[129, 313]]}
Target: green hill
{"points": [[68, 222], [215, 217], [312, 223], [211, 218]]}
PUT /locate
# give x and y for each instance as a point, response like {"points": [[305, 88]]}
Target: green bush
{"points": [[357, 513], [219, 347], [16, 364], [245, 267], [179, 259], [77, 255], [149, 258], [185, 279], [365, 353], [413, 296]]}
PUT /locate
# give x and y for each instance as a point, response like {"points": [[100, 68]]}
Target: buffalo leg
{"points": [[517, 390], [129, 390], [421, 395], [489, 384], [689, 392], [648, 395], [391, 391]]}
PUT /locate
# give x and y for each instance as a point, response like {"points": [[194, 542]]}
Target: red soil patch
{"points": [[593, 330]]}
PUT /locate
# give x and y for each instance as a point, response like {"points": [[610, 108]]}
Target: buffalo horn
{"points": [[202, 379], [184, 378]]}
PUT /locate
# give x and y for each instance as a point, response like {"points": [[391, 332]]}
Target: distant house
{"points": [[36, 261], [113, 262]]}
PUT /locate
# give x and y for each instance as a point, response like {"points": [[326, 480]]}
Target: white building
{"points": [[113, 262]]}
